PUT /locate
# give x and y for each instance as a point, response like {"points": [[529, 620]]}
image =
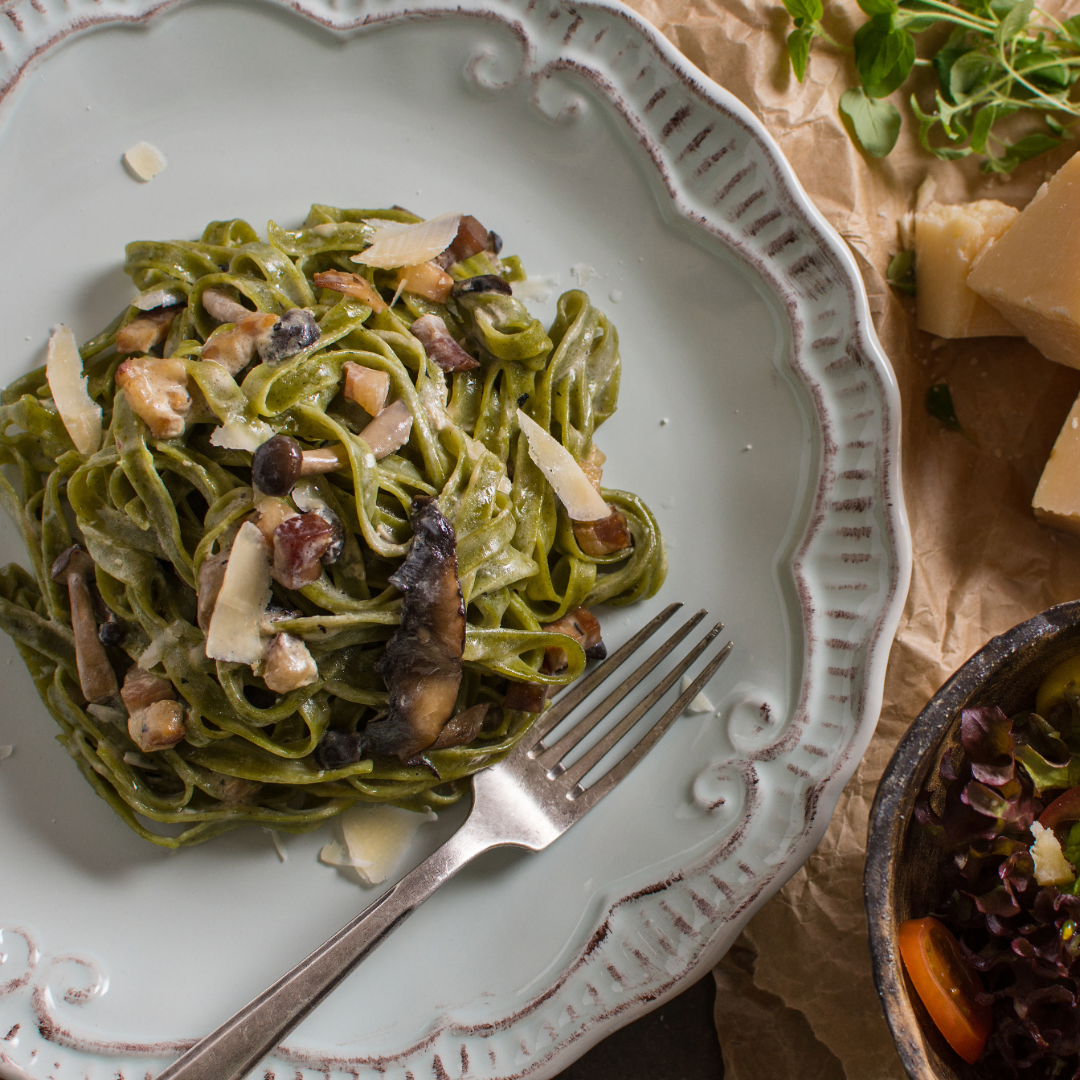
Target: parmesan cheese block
{"points": [[1057, 498], [948, 240], [1030, 274]]}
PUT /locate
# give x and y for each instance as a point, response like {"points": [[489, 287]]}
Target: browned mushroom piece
{"points": [[299, 544], [603, 537], [143, 688], [146, 330], [351, 285], [222, 307], [235, 349], [526, 696], [471, 239], [96, 677], [156, 389], [211, 575], [159, 726], [462, 728], [289, 665], [584, 627], [422, 663], [440, 345]]}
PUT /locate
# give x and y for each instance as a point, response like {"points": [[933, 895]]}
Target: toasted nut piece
{"points": [[351, 285], [157, 727], [603, 537], [289, 665], [211, 575], [156, 390], [390, 430], [143, 333], [471, 239], [367, 387], [235, 348], [592, 465], [299, 544], [143, 688], [427, 280], [97, 680], [272, 512]]}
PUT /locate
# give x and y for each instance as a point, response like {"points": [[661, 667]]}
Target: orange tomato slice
{"points": [[947, 986]]}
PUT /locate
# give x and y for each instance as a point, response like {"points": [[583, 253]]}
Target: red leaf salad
{"points": [[1006, 816]]}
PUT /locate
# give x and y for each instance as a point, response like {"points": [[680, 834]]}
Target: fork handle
{"points": [[234, 1049]]}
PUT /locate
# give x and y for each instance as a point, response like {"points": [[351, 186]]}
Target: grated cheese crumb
{"points": [[144, 161]]}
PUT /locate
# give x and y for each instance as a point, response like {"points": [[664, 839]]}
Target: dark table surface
{"points": [[676, 1041]]}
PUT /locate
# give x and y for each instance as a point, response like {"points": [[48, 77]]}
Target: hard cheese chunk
{"points": [[948, 240], [1030, 274], [1057, 498]]}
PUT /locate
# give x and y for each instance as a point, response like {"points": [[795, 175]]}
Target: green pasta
{"points": [[157, 514]]}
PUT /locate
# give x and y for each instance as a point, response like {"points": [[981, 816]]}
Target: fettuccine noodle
{"points": [[151, 510]]}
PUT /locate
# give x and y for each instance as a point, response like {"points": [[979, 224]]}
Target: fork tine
{"points": [[584, 687], [574, 774], [588, 797], [549, 755]]}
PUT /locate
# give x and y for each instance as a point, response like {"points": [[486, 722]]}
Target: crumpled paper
{"points": [[796, 995]]}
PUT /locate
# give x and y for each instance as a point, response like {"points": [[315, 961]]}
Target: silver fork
{"points": [[527, 800]]}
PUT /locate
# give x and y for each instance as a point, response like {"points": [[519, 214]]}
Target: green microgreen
{"points": [[1002, 57]]}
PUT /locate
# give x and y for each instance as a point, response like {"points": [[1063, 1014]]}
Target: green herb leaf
{"points": [[798, 44], [879, 7], [968, 73], [901, 272], [884, 55], [804, 11], [1014, 22], [984, 118], [876, 124], [939, 405]]}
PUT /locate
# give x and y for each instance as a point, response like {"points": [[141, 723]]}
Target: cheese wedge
{"points": [[948, 241], [1057, 498], [1030, 274]]}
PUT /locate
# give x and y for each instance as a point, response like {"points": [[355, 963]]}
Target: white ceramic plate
{"points": [[758, 417]]}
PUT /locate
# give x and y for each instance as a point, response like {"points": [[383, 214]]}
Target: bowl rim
{"points": [[889, 821]]}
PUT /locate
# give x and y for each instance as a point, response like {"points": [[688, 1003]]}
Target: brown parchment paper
{"points": [[796, 997]]}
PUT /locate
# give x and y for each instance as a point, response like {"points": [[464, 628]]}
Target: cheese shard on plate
{"points": [[948, 241], [1030, 274], [1057, 498]]}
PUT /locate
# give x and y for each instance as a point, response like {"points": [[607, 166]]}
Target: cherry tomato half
{"points": [[947, 986]]}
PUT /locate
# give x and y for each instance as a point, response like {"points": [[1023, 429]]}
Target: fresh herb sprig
{"points": [[1002, 57]]}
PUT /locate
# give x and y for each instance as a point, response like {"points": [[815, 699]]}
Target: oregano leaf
{"points": [[798, 44], [876, 123]]}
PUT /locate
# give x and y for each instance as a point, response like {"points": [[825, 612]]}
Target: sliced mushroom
{"points": [[143, 333], [143, 688], [366, 386], [472, 238], [351, 285], [279, 462], [339, 749], [235, 349], [462, 728], [299, 545], [584, 627], [289, 665], [224, 308], [157, 727], [211, 575], [603, 537], [422, 662], [97, 679], [390, 430], [482, 283], [526, 696], [156, 390], [440, 345]]}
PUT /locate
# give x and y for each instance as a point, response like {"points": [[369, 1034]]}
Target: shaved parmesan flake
{"points": [[538, 288], [1051, 866], [144, 161], [700, 704], [67, 383], [395, 245], [334, 854], [234, 627], [156, 298], [377, 838], [582, 501], [241, 435], [154, 653]]}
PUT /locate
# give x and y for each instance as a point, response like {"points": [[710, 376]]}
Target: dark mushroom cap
{"points": [[72, 561], [294, 332], [275, 466], [482, 283]]}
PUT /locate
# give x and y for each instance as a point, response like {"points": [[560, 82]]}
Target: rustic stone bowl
{"points": [[900, 882]]}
